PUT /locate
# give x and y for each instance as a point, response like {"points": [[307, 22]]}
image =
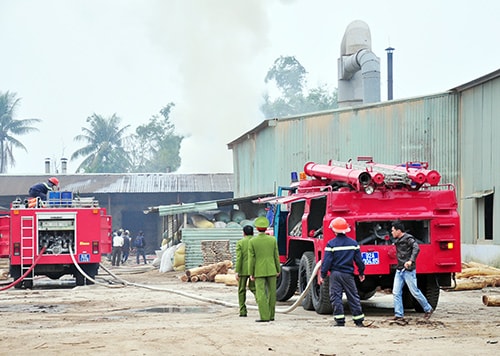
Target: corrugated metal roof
{"points": [[182, 208], [187, 208], [123, 183], [476, 82]]}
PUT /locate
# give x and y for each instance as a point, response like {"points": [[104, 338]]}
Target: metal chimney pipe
{"points": [[64, 165], [47, 165], [389, 50]]}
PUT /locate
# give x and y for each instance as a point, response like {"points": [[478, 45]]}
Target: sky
{"points": [[69, 59]]}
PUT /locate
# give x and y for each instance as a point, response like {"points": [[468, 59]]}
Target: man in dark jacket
{"points": [[407, 250], [126, 246], [140, 244], [40, 190], [340, 253]]}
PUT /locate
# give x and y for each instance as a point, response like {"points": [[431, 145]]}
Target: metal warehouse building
{"points": [[127, 196], [455, 131]]}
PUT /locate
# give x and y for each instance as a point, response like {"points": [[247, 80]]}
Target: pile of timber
{"points": [[208, 273], [215, 251], [477, 276]]}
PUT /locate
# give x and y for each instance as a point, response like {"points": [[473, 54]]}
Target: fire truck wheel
{"points": [[366, 295], [27, 283], [286, 285], [305, 272], [430, 288], [321, 296], [15, 273], [80, 279]]}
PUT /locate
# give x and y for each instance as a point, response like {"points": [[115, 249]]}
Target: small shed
{"points": [[208, 223]]}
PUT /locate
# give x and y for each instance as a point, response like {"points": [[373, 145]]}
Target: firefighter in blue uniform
{"points": [[340, 253], [40, 190]]}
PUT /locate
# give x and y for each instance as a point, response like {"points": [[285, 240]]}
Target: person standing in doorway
{"points": [[140, 244], [340, 255], [117, 248], [126, 246], [407, 250], [241, 269], [264, 268]]}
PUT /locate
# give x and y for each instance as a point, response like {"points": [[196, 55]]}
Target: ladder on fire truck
{"points": [[27, 246]]}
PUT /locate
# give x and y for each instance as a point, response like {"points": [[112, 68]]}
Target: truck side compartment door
{"points": [[4, 235]]}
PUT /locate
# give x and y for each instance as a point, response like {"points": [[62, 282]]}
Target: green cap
{"points": [[261, 222]]}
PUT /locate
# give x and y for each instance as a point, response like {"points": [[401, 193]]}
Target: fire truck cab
{"points": [[55, 238], [370, 197]]}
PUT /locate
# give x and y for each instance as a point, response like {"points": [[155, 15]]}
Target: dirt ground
{"points": [[157, 314]]}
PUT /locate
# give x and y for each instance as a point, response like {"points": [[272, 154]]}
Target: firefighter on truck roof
{"points": [[40, 190]]}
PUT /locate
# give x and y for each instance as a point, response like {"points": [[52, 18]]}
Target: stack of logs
{"points": [[478, 276], [219, 272]]}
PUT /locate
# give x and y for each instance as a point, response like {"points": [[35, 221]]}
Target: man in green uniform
{"points": [[242, 275], [264, 267]]}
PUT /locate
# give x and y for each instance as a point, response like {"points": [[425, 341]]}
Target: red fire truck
{"points": [[370, 197], [56, 237]]}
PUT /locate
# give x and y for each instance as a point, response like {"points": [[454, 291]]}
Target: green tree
{"points": [[9, 128], [290, 78], [104, 152], [155, 147]]}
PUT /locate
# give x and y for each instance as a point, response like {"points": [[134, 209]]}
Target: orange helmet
{"points": [[340, 226], [54, 180]]}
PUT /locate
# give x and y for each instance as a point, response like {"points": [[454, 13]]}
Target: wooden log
{"points": [[206, 269], [199, 270], [491, 300], [227, 279], [478, 271], [492, 281], [469, 284], [194, 278], [473, 264], [478, 282], [184, 278], [220, 269], [203, 277]]}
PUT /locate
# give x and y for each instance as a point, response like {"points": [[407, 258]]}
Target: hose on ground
{"points": [[197, 297], [220, 302], [87, 276], [20, 279]]}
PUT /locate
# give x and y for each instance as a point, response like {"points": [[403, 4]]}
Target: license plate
{"points": [[84, 257], [370, 258]]}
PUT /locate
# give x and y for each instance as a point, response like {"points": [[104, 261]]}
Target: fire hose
{"points": [[197, 297], [20, 279]]}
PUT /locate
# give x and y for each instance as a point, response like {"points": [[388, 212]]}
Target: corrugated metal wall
{"points": [[480, 163], [417, 129]]}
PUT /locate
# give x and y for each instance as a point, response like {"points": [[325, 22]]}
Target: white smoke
{"points": [[216, 45]]}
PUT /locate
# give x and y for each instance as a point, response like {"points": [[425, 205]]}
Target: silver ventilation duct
{"points": [[359, 67]]}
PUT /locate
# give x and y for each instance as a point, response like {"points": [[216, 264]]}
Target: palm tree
{"points": [[9, 127], [104, 152]]}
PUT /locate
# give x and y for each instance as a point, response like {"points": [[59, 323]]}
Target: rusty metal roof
{"points": [[123, 183]]}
